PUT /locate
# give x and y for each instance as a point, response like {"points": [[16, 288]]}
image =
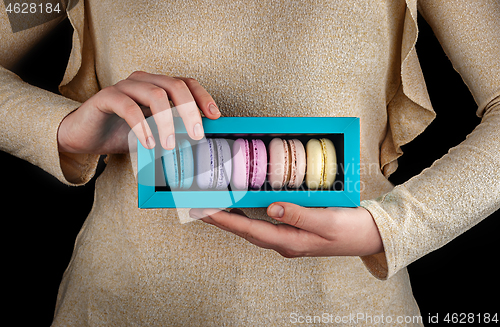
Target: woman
{"points": [[259, 59]]}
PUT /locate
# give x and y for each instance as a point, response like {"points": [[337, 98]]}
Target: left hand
{"points": [[306, 232]]}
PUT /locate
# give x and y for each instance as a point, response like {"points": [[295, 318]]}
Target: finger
{"points": [[203, 99], [210, 221], [287, 240], [181, 96], [315, 220], [198, 213], [110, 100], [247, 236], [251, 229], [252, 240], [156, 99]]}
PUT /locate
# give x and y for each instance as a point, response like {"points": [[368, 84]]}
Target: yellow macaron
{"points": [[321, 164]]}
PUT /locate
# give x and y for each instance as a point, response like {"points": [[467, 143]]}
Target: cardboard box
{"points": [[343, 131]]}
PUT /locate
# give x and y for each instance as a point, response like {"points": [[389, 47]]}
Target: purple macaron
{"points": [[213, 163], [249, 164]]}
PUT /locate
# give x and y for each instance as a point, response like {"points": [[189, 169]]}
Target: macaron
{"points": [[249, 164], [178, 165], [213, 163], [287, 163], [321, 164]]}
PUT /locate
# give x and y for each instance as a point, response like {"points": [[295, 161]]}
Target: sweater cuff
{"points": [[381, 265], [72, 169], [29, 123]]}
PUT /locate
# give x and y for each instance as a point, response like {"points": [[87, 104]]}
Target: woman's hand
{"points": [[306, 232], [102, 123]]}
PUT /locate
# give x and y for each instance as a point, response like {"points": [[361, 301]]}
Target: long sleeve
{"points": [[30, 116], [463, 187]]}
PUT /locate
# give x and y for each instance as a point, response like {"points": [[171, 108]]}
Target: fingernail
{"points": [[276, 211], [210, 212], [213, 109], [150, 142], [195, 214], [170, 142], [198, 130]]}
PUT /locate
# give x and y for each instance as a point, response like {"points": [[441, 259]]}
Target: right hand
{"points": [[102, 123]]}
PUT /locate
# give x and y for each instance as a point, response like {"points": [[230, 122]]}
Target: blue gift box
{"points": [[343, 131]]}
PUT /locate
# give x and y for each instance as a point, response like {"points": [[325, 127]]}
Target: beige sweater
{"points": [[134, 267]]}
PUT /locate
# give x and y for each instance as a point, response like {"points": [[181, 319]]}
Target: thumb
{"points": [[315, 220]]}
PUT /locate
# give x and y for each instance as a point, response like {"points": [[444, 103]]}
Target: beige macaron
{"points": [[321, 164]]}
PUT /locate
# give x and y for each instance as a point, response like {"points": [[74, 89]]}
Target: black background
{"points": [[40, 231]]}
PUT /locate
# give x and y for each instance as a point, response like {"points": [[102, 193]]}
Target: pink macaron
{"points": [[249, 164], [287, 163]]}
